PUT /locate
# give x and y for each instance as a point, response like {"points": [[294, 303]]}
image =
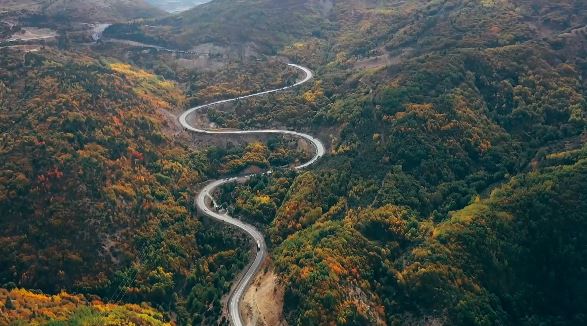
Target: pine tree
{"points": [[9, 304]]}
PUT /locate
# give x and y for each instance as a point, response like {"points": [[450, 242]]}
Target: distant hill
{"points": [[176, 5], [361, 26], [264, 24], [84, 10]]}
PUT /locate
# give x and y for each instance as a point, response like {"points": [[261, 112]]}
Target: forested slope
{"points": [[514, 258]]}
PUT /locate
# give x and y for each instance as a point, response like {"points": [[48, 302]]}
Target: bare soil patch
{"points": [[262, 304]]}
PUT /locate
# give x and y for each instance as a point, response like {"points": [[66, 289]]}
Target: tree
{"points": [[9, 304]]}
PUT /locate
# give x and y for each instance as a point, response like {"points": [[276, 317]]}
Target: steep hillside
{"points": [[516, 258], [97, 185], [69, 166]]}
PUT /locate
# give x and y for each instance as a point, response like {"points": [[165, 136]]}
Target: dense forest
{"points": [[96, 187], [453, 192], [440, 200]]}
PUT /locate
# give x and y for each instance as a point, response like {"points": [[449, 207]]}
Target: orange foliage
{"points": [[37, 309]]}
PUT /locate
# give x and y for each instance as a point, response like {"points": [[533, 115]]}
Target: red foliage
{"points": [[137, 155]]}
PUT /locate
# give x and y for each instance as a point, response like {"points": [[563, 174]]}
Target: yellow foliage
{"points": [[562, 155], [334, 266], [298, 45], [255, 154], [37, 309], [123, 190], [152, 88], [263, 199], [314, 94], [129, 71], [305, 272]]}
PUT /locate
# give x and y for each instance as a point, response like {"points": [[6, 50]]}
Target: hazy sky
{"points": [[176, 5]]}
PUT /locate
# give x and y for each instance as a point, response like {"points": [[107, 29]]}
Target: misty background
{"points": [[176, 5]]}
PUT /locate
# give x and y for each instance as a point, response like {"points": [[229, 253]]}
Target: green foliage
{"points": [[71, 186], [503, 259], [325, 260], [209, 282], [95, 196]]}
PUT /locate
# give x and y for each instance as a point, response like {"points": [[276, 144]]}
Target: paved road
{"points": [[97, 37], [243, 282]]}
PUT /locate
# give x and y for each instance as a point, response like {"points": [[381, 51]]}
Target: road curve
{"points": [[243, 282]]}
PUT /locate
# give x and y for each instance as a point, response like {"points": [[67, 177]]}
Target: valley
{"points": [[207, 192], [310, 162]]}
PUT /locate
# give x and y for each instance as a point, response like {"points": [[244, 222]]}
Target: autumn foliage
{"points": [[19, 305]]}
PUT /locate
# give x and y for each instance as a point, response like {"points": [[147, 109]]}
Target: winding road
{"points": [[201, 202]]}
